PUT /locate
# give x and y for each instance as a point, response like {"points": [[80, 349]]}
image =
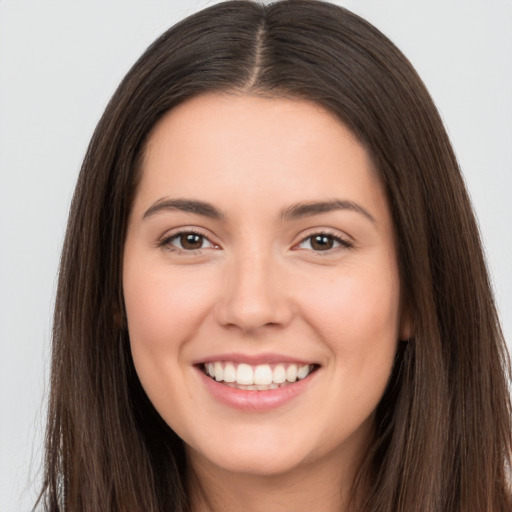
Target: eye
{"points": [[187, 241], [323, 242]]}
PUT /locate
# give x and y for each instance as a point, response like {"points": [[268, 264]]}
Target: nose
{"points": [[254, 295]]}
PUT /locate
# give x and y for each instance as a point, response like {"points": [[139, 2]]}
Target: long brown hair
{"points": [[442, 430]]}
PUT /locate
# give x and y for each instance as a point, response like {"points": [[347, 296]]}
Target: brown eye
{"points": [[191, 241], [188, 241], [322, 242]]}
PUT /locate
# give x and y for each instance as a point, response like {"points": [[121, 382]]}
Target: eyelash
{"points": [[342, 243], [167, 242]]}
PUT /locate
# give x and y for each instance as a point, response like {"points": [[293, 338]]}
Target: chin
{"points": [[260, 458]]}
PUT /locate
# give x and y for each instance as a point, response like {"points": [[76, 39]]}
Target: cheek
{"points": [[357, 319], [162, 307], [356, 310]]}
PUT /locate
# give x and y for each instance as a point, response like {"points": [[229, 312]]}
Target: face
{"points": [[261, 284]]}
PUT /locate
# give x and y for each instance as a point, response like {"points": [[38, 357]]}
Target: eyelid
{"points": [[345, 242], [165, 240]]}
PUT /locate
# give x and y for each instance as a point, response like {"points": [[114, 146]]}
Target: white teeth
{"points": [[263, 375], [279, 374], [229, 373], [260, 377], [244, 374], [303, 371], [219, 371], [291, 373]]}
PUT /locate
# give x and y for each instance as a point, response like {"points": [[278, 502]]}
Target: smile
{"points": [[260, 377]]}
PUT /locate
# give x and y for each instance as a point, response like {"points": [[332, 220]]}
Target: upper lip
{"points": [[254, 359]]}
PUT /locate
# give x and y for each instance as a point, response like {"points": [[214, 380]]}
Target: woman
{"points": [[272, 291]]}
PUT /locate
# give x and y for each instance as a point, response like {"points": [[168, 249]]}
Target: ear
{"points": [[406, 327], [119, 317]]}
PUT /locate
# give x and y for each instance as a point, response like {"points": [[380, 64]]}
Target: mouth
{"points": [[261, 377]]}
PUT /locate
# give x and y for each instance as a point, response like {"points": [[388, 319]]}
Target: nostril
{"points": [[252, 295], [253, 314]]}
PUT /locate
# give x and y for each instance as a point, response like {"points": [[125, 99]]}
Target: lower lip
{"points": [[255, 401]]}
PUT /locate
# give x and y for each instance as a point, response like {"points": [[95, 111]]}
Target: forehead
{"points": [[230, 147]]}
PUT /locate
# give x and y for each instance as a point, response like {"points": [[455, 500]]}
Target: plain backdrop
{"points": [[60, 62]]}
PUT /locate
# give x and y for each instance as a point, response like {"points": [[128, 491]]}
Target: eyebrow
{"points": [[184, 205], [295, 211], [300, 210]]}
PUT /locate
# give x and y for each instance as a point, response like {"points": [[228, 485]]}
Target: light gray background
{"points": [[59, 64]]}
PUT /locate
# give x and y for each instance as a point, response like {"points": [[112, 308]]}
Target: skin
{"points": [[258, 285]]}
